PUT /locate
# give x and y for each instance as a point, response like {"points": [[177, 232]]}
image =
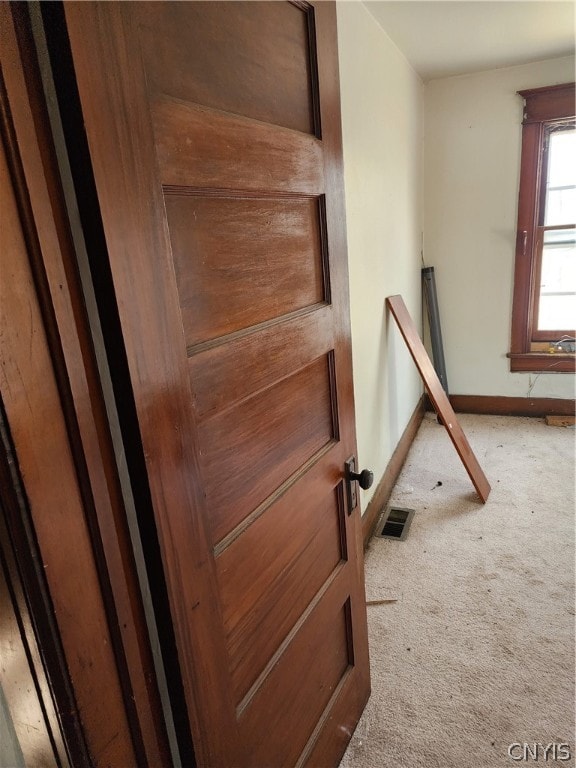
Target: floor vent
{"points": [[395, 524]]}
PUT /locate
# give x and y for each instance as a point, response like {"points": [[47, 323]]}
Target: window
{"points": [[544, 304]]}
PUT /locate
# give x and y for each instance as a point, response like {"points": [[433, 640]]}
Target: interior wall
{"points": [[472, 170], [382, 123]]}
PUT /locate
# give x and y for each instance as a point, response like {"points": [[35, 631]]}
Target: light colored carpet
{"points": [[478, 652]]}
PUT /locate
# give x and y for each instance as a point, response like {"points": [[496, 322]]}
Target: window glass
{"points": [[557, 300], [561, 179], [557, 306]]}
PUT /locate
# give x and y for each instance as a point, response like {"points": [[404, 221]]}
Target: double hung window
{"points": [[544, 305]]}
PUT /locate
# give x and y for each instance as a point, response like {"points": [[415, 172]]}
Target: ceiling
{"points": [[441, 38]]}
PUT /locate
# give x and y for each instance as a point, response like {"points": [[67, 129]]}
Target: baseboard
{"points": [[390, 476], [511, 406]]}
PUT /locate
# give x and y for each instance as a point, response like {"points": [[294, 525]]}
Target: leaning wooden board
{"points": [[438, 397]]}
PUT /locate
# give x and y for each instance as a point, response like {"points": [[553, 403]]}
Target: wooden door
{"points": [[214, 135]]}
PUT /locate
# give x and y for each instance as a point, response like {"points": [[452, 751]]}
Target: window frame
{"points": [[544, 107]]}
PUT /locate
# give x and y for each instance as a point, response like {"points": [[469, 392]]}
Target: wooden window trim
{"points": [[542, 106]]}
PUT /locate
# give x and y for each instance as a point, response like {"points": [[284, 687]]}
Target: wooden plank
{"points": [[382, 602], [560, 421], [437, 395]]}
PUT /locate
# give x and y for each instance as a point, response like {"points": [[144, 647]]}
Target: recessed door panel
{"points": [[202, 147], [242, 261], [263, 597], [223, 374], [261, 442], [301, 683], [251, 60]]}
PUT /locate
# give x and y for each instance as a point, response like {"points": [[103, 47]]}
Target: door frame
{"points": [[94, 543]]}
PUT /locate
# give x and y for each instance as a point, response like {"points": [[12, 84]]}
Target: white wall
{"points": [[472, 165], [382, 113]]}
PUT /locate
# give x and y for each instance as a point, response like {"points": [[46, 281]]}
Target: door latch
{"points": [[365, 479]]}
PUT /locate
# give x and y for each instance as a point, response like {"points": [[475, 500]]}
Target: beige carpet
{"points": [[478, 652]]}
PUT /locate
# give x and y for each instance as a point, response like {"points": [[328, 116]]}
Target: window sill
{"points": [[542, 361]]}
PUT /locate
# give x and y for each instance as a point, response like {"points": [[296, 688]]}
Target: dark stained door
{"points": [[214, 134]]}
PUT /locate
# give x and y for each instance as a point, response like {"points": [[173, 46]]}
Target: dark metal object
{"points": [[429, 287], [395, 524], [365, 479]]}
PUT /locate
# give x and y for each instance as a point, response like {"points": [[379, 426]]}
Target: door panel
{"points": [[263, 442], [256, 614], [248, 61], [221, 202], [225, 374], [262, 256], [223, 151], [300, 685]]}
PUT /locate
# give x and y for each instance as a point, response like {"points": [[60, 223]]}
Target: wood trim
{"points": [[549, 337], [555, 101], [389, 478], [109, 558], [527, 362], [21, 566], [46, 460], [523, 299], [510, 406], [542, 106]]}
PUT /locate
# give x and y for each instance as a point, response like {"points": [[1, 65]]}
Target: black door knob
{"points": [[365, 478]]}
